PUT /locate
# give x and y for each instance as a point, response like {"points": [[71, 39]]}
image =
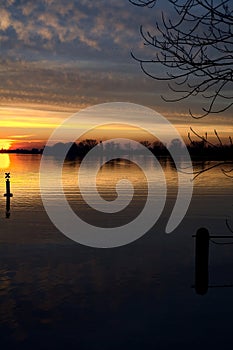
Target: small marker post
{"points": [[8, 194]]}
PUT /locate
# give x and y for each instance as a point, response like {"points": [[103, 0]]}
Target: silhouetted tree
{"points": [[146, 144], [195, 47], [217, 154], [90, 143]]}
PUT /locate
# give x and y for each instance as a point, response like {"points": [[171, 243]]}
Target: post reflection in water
{"points": [[8, 207], [203, 238], [55, 293]]}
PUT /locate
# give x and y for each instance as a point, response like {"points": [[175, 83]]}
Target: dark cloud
{"points": [[65, 52], [75, 52], [76, 28], [72, 83]]}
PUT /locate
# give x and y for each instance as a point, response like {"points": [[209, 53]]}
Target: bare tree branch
{"points": [[143, 3], [195, 46]]}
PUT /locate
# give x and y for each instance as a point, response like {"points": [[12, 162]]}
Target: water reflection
{"points": [[8, 207], [25, 185], [203, 238], [25, 176], [55, 293], [50, 288]]}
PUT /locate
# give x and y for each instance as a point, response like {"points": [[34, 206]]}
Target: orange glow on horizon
{"points": [[30, 127], [5, 144]]}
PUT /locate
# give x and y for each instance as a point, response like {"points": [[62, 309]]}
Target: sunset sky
{"points": [[60, 56]]}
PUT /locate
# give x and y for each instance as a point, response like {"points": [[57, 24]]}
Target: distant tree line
{"points": [[22, 151], [199, 147]]}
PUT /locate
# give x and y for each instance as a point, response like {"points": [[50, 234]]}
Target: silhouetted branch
{"points": [[143, 3], [208, 150], [199, 172], [196, 49], [227, 172], [228, 226], [202, 137]]}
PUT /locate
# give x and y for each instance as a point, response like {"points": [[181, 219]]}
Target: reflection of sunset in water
{"points": [[4, 161], [47, 280], [24, 169]]}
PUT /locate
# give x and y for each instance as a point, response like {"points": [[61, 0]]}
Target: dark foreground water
{"points": [[58, 294]]}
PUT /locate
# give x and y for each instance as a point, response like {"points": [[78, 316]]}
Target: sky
{"points": [[57, 57]]}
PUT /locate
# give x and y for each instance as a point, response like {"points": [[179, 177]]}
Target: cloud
{"points": [[22, 136], [10, 2], [70, 54], [28, 8], [5, 20], [69, 85], [50, 25], [45, 33]]}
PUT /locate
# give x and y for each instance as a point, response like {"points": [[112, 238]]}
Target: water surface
{"points": [[55, 293]]}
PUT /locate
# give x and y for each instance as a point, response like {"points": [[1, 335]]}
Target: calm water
{"points": [[55, 293]]}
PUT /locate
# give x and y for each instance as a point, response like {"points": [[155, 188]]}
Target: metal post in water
{"points": [[202, 261], [8, 194]]}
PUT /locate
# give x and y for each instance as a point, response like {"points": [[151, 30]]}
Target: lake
{"points": [[56, 293]]}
